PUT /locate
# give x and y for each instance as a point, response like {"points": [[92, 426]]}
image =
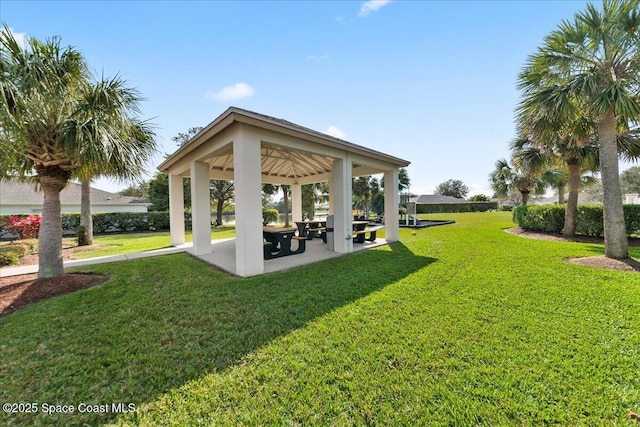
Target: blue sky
{"points": [[431, 82]]}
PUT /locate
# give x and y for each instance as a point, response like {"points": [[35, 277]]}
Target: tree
{"points": [[220, 190], [56, 119], [141, 190], [595, 59], [630, 180], [454, 188], [507, 178], [159, 192], [403, 180], [479, 198]]}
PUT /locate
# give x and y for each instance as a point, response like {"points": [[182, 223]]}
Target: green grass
{"points": [[140, 242], [458, 325]]}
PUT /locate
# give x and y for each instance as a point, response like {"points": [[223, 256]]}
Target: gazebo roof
{"points": [[308, 156]]}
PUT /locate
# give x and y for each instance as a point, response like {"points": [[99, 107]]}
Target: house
{"points": [[22, 198], [632, 199]]}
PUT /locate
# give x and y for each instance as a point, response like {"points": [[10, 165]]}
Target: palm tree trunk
{"points": [[50, 237], [571, 210], [86, 219], [525, 197], [561, 195], [616, 244]]}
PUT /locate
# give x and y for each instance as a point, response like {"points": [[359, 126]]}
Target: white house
{"points": [[22, 198], [632, 199]]}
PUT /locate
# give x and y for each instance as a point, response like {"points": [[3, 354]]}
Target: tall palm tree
{"points": [[595, 58], [55, 120]]}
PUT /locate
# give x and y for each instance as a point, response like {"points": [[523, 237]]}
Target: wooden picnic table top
{"points": [[271, 229]]}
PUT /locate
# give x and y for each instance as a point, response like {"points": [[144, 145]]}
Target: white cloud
{"points": [[335, 132], [231, 93], [371, 6], [21, 38]]}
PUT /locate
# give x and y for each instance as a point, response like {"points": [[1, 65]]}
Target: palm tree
{"points": [[595, 59], [506, 178], [55, 120]]}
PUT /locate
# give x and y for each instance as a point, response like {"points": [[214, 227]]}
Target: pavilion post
{"points": [[200, 208], [296, 202], [331, 197], [248, 205], [343, 221], [176, 209], [391, 223]]}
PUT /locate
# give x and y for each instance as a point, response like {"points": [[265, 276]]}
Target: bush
{"points": [[24, 226], [456, 207], [589, 219], [12, 252], [269, 215], [107, 222]]}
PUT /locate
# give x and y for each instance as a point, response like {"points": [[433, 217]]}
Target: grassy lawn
{"points": [[140, 242], [458, 325]]}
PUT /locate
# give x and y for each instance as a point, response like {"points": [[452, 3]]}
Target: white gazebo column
{"points": [[248, 200], [200, 208], [176, 209], [342, 223], [331, 197], [296, 202], [391, 223]]}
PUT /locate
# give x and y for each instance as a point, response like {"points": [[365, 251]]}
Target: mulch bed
{"points": [[630, 264], [20, 291]]}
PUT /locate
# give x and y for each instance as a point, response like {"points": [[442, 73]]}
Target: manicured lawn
{"points": [[458, 325], [140, 242]]}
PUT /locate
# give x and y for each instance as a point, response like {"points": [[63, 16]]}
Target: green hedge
{"points": [[456, 207], [589, 219], [106, 222]]}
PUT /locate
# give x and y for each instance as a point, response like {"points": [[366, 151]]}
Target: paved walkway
{"points": [[28, 269]]}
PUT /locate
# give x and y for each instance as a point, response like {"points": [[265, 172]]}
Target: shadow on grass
{"points": [[162, 322]]}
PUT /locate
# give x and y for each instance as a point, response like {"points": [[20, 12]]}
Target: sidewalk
{"points": [[29, 269]]}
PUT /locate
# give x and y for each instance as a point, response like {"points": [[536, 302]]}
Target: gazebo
{"points": [[251, 149]]}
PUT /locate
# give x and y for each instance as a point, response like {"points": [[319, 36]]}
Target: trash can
{"points": [[330, 233]]}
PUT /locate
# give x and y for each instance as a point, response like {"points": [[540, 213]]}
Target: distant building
{"points": [[632, 199], [22, 198]]}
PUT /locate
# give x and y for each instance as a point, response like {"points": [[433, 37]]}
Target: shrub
{"points": [[549, 218], [269, 215], [589, 219], [456, 207], [25, 227], [12, 252]]}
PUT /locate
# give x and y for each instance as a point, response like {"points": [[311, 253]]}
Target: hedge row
{"points": [[119, 221], [456, 207], [589, 219]]}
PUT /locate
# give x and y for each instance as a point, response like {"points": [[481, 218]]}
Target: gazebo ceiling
{"points": [[277, 162]]}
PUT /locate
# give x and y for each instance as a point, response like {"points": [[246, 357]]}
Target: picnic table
{"points": [[277, 242], [361, 228], [311, 229]]}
